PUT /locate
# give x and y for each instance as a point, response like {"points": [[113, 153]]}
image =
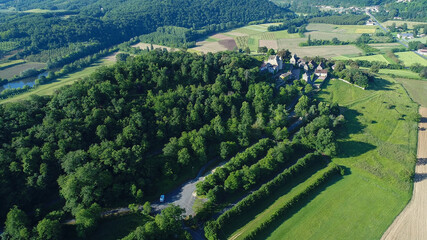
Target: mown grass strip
{"points": [[284, 204]]}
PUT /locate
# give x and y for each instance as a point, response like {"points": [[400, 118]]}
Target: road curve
{"points": [[411, 224]]}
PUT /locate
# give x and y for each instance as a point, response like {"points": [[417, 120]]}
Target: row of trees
{"points": [[212, 228]]}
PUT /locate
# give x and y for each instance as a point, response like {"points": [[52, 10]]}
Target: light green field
{"points": [[279, 203], [409, 58], [400, 73], [342, 32], [417, 89], [399, 23], [10, 72], [38, 10], [14, 62], [377, 58], [423, 40], [68, 79], [250, 36], [383, 47], [377, 146]]}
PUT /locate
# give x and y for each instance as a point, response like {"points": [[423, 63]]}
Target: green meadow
{"points": [[377, 147]]}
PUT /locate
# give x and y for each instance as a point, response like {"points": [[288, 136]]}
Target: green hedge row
{"points": [[333, 170], [247, 157], [262, 193]]}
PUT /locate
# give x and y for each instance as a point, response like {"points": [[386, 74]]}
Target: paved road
{"points": [[412, 221], [184, 196]]}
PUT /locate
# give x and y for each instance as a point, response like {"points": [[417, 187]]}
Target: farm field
{"points": [[48, 89], [384, 47], [342, 32], [254, 36], [398, 23], [400, 73], [10, 63], [409, 58], [377, 58], [378, 148], [10, 72], [417, 89], [263, 216]]}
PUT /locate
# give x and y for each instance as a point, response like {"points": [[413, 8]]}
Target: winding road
{"points": [[412, 221]]}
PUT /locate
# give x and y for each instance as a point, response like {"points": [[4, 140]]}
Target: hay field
{"points": [[409, 58], [10, 72], [399, 22]]}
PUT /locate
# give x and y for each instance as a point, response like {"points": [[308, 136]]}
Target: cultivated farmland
{"points": [[409, 58], [10, 72]]}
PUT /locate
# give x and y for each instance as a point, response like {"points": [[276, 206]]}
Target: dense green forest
{"points": [[130, 128], [98, 24], [413, 10]]}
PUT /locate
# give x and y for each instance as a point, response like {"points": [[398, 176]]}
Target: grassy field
{"points": [[68, 79], [254, 36], [399, 23], [10, 72], [409, 58], [384, 47], [377, 58], [278, 203], [11, 63], [417, 89], [342, 32], [377, 146], [400, 73]]}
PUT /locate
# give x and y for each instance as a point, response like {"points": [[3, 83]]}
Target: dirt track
{"points": [[411, 224]]}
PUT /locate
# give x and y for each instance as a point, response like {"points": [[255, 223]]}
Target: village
{"points": [[297, 68]]}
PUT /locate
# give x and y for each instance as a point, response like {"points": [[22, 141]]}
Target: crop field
{"points": [[50, 88], [254, 36], [409, 58], [11, 63], [400, 73], [10, 72], [323, 51], [417, 89], [377, 146], [398, 23], [342, 32], [383, 47], [377, 58]]}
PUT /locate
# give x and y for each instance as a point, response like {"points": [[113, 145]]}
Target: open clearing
{"points": [[10, 72], [412, 221], [68, 79], [377, 147], [409, 58], [145, 45]]}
